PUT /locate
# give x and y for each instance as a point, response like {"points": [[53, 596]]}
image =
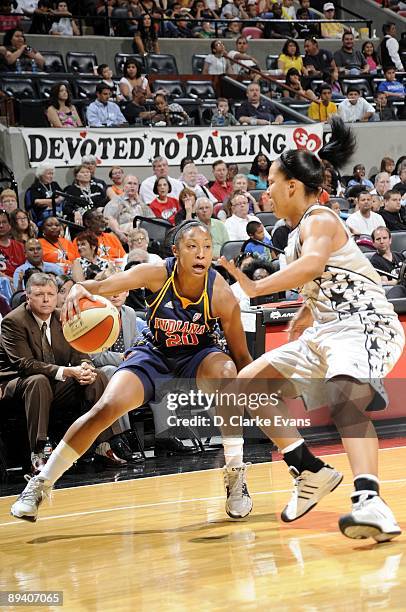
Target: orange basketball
{"points": [[96, 329]]}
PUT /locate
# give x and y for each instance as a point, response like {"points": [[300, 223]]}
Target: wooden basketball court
{"points": [[165, 543]]}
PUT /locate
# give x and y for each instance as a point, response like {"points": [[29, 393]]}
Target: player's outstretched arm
{"points": [[319, 236], [144, 275], [225, 306]]}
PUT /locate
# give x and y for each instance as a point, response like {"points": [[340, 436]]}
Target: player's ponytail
{"points": [[307, 167], [341, 145]]}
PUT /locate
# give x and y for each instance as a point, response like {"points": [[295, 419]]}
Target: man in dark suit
{"points": [[39, 367]]}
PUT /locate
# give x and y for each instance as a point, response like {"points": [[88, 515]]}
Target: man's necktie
{"points": [[47, 352]]}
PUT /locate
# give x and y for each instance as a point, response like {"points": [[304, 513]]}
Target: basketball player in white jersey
{"points": [[346, 335]]}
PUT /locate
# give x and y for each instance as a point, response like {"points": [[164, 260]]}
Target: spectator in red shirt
{"points": [[221, 187], [7, 20], [164, 206], [11, 252]]}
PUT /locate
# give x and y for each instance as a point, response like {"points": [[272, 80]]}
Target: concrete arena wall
{"points": [[374, 142]]}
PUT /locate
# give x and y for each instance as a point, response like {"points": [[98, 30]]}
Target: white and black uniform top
{"points": [[349, 283], [355, 333]]}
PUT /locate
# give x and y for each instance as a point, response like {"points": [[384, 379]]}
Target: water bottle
{"points": [[34, 67], [47, 449], [18, 67]]}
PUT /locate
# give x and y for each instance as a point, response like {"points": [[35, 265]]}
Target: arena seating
{"points": [[231, 249], [78, 70]]}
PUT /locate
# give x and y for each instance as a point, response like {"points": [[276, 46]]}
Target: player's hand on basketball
{"points": [[71, 308]]}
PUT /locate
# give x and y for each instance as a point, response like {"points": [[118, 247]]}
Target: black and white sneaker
{"points": [[310, 488], [370, 518], [238, 502], [26, 506]]}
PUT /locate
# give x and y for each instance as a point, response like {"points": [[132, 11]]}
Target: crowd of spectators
{"points": [[148, 20], [87, 229], [87, 226], [42, 256], [129, 99]]}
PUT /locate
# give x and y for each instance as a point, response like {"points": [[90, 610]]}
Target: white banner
{"points": [[138, 147]]}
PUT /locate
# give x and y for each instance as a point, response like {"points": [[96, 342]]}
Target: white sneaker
{"points": [[26, 506], [310, 488], [369, 518], [239, 502]]}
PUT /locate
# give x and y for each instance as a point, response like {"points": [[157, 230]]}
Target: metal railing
{"points": [[218, 24]]}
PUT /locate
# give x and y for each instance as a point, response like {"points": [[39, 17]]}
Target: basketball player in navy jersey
{"points": [[344, 340], [186, 298]]}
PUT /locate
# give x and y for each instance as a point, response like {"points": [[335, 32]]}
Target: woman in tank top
{"points": [[61, 112], [344, 340]]}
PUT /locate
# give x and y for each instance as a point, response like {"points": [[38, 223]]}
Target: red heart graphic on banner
{"points": [[304, 140], [313, 143], [83, 134], [215, 133], [180, 135], [98, 161]]}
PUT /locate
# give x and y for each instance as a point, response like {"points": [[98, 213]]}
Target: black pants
{"points": [[41, 395]]}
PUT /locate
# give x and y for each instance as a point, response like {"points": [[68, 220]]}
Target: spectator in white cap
{"points": [[333, 29]]}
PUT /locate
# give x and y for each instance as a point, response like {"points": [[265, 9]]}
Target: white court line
{"points": [[103, 484], [170, 503]]}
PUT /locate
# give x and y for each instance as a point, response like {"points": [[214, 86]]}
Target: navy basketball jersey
{"points": [[177, 325]]}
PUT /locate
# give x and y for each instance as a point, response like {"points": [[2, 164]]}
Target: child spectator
{"points": [[335, 206], [256, 231], [332, 79], [384, 111], [106, 74], [392, 89], [321, 110], [222, 116], [355, 107]]}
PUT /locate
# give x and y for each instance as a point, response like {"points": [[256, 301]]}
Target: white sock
{"points": [[61, 459], [233, 451], [292, 446]]}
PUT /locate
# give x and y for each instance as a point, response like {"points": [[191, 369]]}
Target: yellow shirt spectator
{"points": [[332, 30], [287, 61], [320, 112], [290, 57]]}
